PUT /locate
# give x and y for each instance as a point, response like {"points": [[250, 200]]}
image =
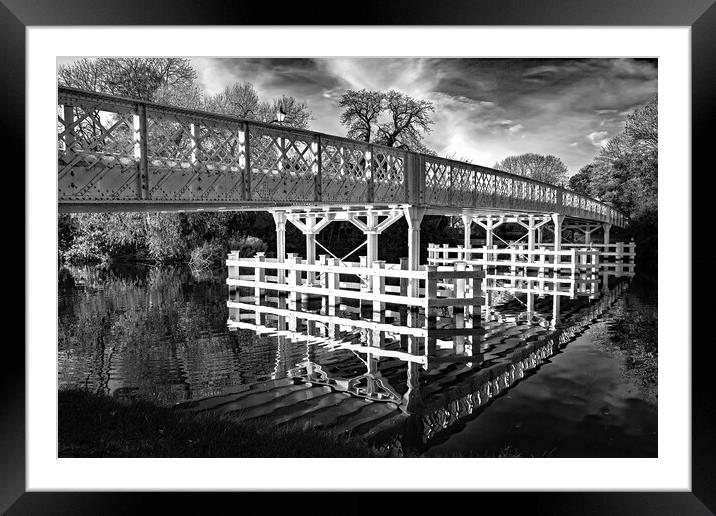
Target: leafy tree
{"points": [[580, 182], [390, 118], [642, 126], [548, 169], [625, 174]]}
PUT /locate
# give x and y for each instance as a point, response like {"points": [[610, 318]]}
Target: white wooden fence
{"points": [[457, 285], [569, 272], [280, 289], [617, 259]]}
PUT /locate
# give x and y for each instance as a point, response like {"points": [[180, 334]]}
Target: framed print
{"points": [[425, 252]]}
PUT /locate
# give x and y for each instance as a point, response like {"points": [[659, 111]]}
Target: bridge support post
{"points": [[310, 227], [588, 230], [414, 217], [467, 231], [279, 218], [489, 226], [607, 229], [372, 228], [534, 228], [371, 237], [310, 247], [459, 311], [557, 219], [531, 230], [605, 269], [556, 299]]}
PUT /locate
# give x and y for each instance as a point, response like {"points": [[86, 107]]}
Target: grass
{"points": [[91, 425]]}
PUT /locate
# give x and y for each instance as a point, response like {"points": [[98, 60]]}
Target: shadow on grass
{"points": [[91, 425]]}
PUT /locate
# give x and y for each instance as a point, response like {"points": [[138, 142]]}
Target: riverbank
{"points": [[92, 425]]}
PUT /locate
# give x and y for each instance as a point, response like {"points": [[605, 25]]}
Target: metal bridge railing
{"points": [[119, 150]]}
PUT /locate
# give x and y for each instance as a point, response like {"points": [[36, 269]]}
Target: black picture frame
{"points": [[700, 15]]}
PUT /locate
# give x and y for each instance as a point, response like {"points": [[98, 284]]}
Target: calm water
{"points": [[160, 334]]}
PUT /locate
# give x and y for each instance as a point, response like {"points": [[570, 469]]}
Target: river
{"points": [[160, 334]]}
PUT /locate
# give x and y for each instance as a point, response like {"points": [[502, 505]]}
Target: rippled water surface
{"points": [[161, 334]]}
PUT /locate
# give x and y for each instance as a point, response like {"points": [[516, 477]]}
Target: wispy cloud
{"points": [[598, 138]]}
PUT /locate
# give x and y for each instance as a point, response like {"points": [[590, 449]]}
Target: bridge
{"points": [[121, 154], [127, 155]]}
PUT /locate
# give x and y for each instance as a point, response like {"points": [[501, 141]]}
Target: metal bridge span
{"points": [[119, 154]]}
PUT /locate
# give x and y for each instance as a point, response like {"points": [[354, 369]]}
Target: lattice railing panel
{"points": [[463, 185], [221, 146], [344, 171], [388, 168], [193, 159], [283, 165], [484, 185], [503, 188], [437, 183], [96, 153], [168, 141]]}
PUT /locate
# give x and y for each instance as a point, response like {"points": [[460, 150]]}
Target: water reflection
{"points": [[161, 334]]}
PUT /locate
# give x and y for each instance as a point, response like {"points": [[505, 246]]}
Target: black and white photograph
{"points": [[379, 257], [430, 251]]}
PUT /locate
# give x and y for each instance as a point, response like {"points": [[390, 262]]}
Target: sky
{"points": [[485, 109]]}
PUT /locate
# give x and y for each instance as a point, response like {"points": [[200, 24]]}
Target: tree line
{"points": [[625, 175]]}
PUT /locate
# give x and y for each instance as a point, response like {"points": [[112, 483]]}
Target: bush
{"points": [[248, 246], [206, 257], [164, 240], [88, 247]]}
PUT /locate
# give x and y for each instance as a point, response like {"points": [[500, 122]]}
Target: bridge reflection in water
{"points": [[382, 381]]}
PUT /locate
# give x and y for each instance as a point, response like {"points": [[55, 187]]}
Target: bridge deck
{"points": [[118, 154]]}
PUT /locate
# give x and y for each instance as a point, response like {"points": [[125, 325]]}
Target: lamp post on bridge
{"points": [[280, 117]]}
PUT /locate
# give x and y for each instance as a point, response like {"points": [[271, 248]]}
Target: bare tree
{"points": [[361, 111], [134, 77], [408, 118], [242, 100], [296, 113], [548, 169], [190, 96], [239, 100], [392, 118]]}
